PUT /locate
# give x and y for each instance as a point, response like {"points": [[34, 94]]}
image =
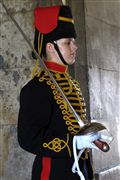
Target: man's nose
{"points": [[74, 44]]}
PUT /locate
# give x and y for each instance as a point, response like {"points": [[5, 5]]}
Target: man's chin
{"points": [[72, 62]]}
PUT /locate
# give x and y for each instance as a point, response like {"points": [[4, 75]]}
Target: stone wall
{"points": [[15, 70], [102, 20]]}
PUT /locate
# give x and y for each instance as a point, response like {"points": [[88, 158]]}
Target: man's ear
{"points": [[50, 47]]}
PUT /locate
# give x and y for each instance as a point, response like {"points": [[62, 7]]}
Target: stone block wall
{"points": [[103, 57], [15, 70]]}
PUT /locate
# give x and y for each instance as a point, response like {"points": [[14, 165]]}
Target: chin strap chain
{"points": [[75, 167]]}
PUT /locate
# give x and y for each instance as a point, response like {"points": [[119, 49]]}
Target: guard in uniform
{"points": [[46, 125]]}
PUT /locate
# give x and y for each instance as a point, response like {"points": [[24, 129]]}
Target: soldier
{"points": [[46, 126]]}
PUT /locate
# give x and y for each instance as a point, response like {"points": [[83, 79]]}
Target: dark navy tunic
{"points": [[46, 125]]}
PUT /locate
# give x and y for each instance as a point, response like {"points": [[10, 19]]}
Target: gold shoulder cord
{"points": [[40, 41]]}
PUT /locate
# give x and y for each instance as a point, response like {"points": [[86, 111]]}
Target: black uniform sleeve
{"points": [[34, 116]]}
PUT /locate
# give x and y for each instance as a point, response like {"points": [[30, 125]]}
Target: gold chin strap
{"points": [[40, 41], [66, 19]]}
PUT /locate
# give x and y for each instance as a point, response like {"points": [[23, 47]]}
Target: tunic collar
{"points": [[53, 66]]}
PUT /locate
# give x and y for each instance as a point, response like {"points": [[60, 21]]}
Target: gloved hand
{"points": [[86, 141]]}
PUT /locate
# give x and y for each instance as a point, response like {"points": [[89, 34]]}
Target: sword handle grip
{"points": [[103, 146]]}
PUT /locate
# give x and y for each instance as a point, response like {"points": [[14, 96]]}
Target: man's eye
{"points": [[68, 42]]}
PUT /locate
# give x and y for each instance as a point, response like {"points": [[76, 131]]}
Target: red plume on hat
{"points": [[46, 19]]}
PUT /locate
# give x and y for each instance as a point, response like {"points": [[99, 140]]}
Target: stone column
{"points": [[102, 19]]}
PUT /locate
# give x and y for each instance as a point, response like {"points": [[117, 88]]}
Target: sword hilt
{"points": [[92, 128], [103, 146]]}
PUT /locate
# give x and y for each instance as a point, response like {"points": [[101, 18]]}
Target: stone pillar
{"points": [[102, 19], [79, 69]]}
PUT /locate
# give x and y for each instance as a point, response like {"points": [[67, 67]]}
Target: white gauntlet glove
{"points": [[82, 142], [86, 141]]}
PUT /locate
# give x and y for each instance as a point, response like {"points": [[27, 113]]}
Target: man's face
{"points": [[68, 49]]}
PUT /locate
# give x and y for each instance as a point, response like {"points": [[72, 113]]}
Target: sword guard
{"points": [[92, 128]]}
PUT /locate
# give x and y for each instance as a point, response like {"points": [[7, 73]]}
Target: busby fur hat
{"points": [[52, 23]]}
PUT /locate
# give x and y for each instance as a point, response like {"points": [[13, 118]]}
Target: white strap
{"points": [[75, 167]]}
